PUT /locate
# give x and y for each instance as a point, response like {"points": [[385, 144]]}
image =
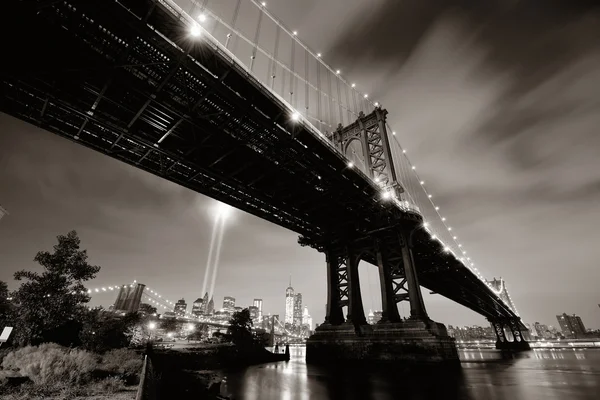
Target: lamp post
{"points": [[151, 327]]}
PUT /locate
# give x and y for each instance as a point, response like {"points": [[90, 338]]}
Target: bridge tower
{"points": [[501, 326], [390, 249], [369, 134]]}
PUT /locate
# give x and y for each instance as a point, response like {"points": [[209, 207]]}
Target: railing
{"points": [[147, 388]]}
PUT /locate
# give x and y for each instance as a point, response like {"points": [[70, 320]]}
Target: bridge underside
{"points": [[126, 79]]}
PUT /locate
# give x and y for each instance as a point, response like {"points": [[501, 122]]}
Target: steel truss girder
{"points": [[370, 130], [173, 160]]}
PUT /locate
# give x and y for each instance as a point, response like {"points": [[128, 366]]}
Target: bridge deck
{"points": [[126, 79]]}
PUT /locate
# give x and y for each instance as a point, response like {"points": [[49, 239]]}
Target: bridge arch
{"points": [[353, 150]]}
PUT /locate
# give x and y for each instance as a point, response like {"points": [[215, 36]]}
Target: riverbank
{"points": [[193, 372]]}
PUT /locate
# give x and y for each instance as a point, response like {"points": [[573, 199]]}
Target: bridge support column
{"points": [[334, 314], [518, 343], [389, 312], [416, 340], [356, 312], [417, 305], [499, 331]]}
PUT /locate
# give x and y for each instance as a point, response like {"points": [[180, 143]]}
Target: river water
{"points": [[485, 374]]}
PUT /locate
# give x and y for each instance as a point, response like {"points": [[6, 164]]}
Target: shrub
{"points": [[122, 361], [108, 385], [50, 364]]}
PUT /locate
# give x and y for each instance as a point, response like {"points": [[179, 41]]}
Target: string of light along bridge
{"points": [[198, 28]]}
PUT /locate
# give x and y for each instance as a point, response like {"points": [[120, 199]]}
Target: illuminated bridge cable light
{"points": [[436, 207], [195, 30]]}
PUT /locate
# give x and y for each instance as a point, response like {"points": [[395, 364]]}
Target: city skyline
{"points": [[498, 184]]}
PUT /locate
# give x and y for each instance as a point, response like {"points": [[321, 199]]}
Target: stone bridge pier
{"points": [[516, 342], [349, 337]]}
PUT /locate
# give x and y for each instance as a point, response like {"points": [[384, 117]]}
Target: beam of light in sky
{"points": [[221, 212], [215, 269], [210, 255]]}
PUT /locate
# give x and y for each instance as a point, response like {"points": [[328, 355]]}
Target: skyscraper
{"points": [[377, 315], [306, 319], [3, 212], [210, 308], [253, 312], [228, 303], [258, 304], [289, 304], [198, 307], [571, 326], [205, 303], [298, 309], [180, 308], [370, 317]]}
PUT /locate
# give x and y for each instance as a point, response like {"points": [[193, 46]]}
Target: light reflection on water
{"points": [[485, 374]]}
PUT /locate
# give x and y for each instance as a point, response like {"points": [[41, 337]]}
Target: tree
{"points": [[200, 332], [104, 331], [240, 328], [5, 305], [147, 309], [169, 325], [51, 301]]}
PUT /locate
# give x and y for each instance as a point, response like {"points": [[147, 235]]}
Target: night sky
{"points": [[498, 106]]}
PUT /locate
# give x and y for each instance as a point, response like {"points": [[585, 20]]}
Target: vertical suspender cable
{"points": [[275, 51], [319, 94], [356, 108], [306, 74], [233, 22], [339, 99], [256, 36], [330, 102], [348, 107], [292, 74]]}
